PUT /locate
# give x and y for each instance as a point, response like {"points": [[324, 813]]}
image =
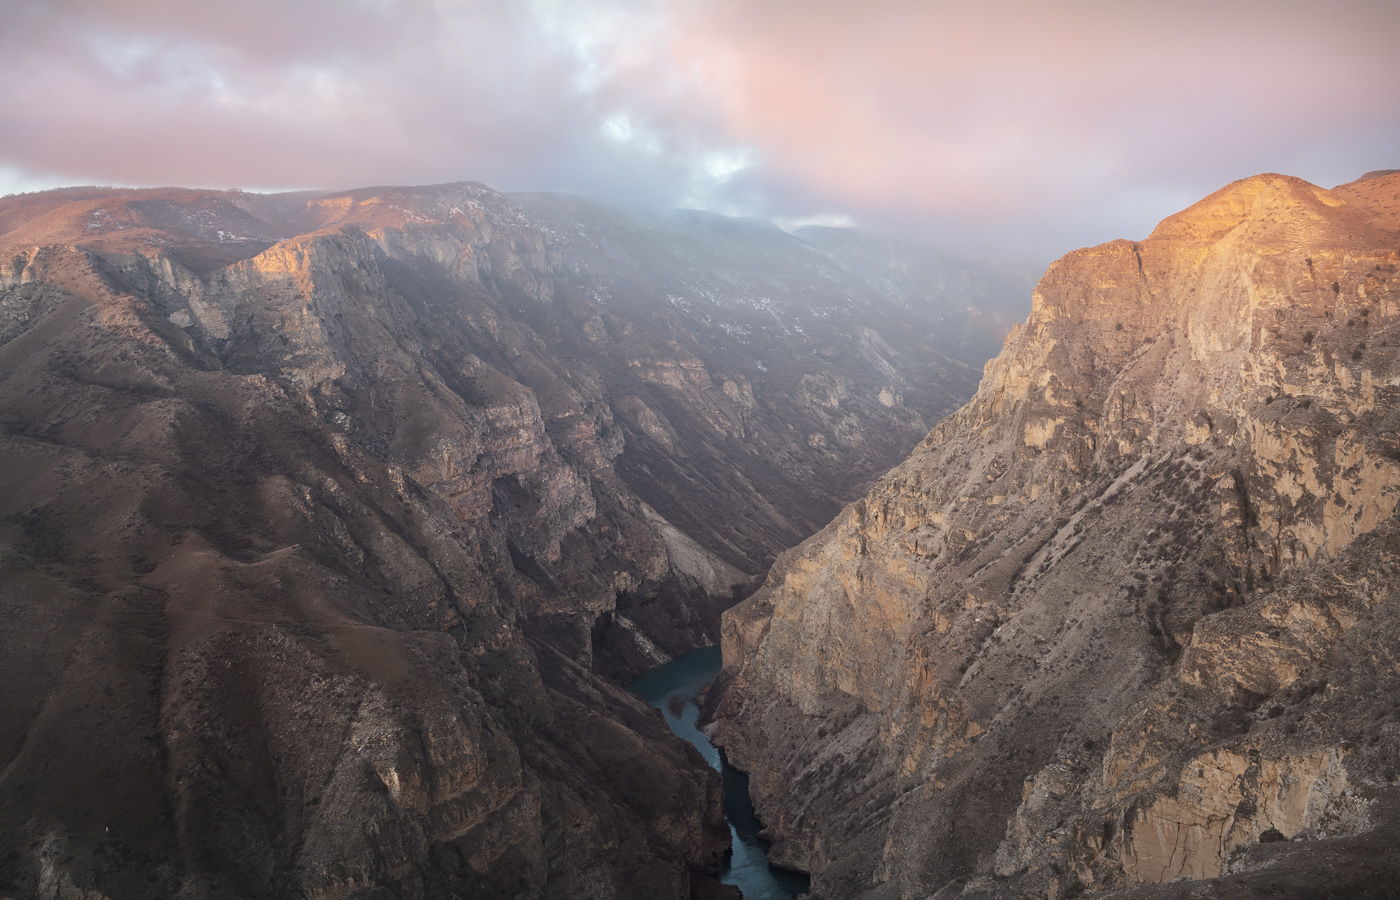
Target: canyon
{"points": [[331, 524], [1126, 621]]}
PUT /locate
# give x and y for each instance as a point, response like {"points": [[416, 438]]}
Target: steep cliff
{"points": [[328, 523], [1128, 615]]}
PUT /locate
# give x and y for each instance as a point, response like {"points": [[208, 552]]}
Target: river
{"points": [[746, 866]]}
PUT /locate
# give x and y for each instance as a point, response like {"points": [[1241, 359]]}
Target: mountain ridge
{"points": [[326, 542], [992, 675]]}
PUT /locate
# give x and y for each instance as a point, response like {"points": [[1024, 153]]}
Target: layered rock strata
{"points": [[1128, 616], [329, 523]]}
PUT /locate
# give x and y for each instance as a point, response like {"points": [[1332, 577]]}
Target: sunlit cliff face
{"points": [[1021, 120], [1080, 629]]}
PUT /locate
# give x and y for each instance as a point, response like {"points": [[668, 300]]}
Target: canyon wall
{"points": [[329, 525], [1126, 619]]}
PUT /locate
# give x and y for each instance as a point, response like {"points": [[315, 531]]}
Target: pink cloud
{"points": [[1037, 119]]}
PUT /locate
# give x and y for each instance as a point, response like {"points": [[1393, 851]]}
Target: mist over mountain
{"points": [[1007, 128], [974, 304]]}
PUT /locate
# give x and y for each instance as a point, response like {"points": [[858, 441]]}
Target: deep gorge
{"points": [[368, 504], [677, 688], [333, 526]]}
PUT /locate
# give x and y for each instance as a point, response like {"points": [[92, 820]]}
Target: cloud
{"points": [[1004, 126], [821, 220]]}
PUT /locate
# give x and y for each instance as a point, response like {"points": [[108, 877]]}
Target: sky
{"points": [[1018, 129]]}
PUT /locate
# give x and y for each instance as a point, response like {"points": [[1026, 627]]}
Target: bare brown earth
{"points": [[328, 524], [1127, 620]]}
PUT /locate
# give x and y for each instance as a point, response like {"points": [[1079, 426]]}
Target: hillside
{"points": [[1129, 613], [330, 523]]}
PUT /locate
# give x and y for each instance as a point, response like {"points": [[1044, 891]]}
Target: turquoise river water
{"points": [[746, 866]]}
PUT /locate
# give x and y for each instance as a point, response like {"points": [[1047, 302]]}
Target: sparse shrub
{"points": [[1272, 835], [1269, 399], [1351, 323], [1365, 314], [1118, 327], [1336, 288], [1356, 354], [1308, 336]]}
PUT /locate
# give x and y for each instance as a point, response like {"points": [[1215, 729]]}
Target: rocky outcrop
{"points": [[1130, 611], [329, 524], [252, 653]]}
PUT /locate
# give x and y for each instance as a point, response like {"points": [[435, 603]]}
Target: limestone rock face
{"points": [[1130, 608], [329, 524]]}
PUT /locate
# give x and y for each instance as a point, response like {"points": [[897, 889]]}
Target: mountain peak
{"points": [[1075, 628], [1259, 203]]}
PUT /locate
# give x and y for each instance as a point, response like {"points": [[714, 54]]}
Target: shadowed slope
{"points": [[319, 554]]}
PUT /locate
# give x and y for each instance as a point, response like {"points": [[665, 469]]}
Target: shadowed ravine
{"points": [[674, 686]]}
